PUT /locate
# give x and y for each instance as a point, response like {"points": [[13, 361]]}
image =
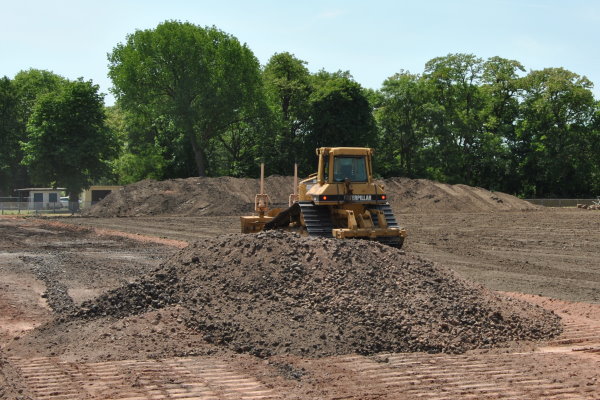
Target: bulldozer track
{"points": [[468, 377], [317, 219], [178, 378], [542, 373], [389, 215], [391, 222]]}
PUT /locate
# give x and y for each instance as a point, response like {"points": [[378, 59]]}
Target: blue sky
{"points": [[372, 39]]}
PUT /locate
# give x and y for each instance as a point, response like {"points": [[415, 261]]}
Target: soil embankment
{"points": [[235, 196]]}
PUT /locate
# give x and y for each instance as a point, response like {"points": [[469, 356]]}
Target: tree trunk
{"points": [[199, 157], [74, 201]]}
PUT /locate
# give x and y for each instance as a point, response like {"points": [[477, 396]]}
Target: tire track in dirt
{"points": [[581, 333], [531, 376], [546, 372], [166, 231], [177, 378], [564, 368]]}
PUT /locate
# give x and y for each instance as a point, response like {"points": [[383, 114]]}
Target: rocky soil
{"points": [[277, 293]]}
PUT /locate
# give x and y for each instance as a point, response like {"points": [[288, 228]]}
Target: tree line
{"points": [[194, 101]]}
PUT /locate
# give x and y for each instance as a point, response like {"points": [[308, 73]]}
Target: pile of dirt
{"points": [[191, 196], [235, 196], [422, 195], [279, 293]]}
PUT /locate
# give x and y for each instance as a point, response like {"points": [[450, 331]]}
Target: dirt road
{"points": [[48, 271]]}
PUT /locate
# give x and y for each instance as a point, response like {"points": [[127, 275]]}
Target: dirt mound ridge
{"points": [[279, 293], [235, 196], [191, 196], [422, 195]]}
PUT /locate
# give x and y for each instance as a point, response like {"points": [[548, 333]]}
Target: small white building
{"points": [[42, 198]]}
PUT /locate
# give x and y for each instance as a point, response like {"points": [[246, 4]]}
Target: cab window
{"points": [[353, 168]]}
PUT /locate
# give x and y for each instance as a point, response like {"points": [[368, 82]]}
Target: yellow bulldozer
{"points": [[341, 200]]}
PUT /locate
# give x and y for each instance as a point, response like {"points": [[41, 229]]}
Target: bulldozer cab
{"points": [[352, 168], [342, 164]]}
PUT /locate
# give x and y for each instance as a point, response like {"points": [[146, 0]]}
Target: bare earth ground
{"points": [[548, 257], [552, 252]]}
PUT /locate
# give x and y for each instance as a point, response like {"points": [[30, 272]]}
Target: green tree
{"points": [[402, 116], [288, 86], [243, 144], [595, 151], [556, 135], [9, 136], [200, 79], [19, 97], [30, 85], [142, 154], [146, 163], [68, 141], [500, 85], [455, 81], [340, 115]]}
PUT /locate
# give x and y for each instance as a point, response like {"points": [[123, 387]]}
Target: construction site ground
{"points": [[549, 257]]}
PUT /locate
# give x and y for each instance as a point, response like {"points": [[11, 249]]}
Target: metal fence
{"points": [[561, 202], [26, 205]]}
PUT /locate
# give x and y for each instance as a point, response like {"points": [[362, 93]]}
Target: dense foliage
{"points": [[17, 98], [466, 120], [201, 80], [68, 141], [9, 134], [192, 101]]}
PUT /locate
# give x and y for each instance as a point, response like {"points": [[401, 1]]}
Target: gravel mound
{"points": [[235, 196], [279, 293]]}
